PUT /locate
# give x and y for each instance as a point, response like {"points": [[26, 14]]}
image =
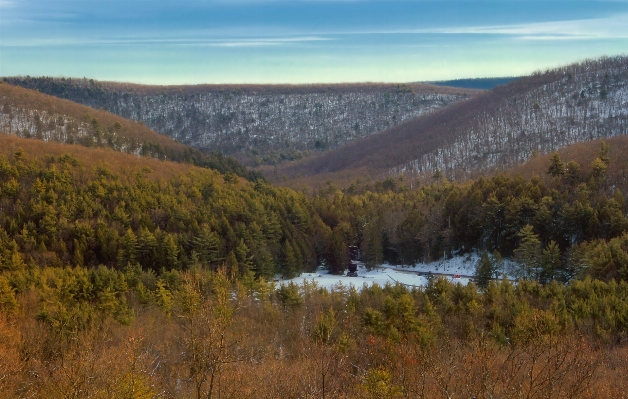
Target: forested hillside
{"points": [[104, 333], [130, 276], [29, 114], [566, 218], [68, 205], [258, 124], [496, 130], [72, 205], [581, 102], [127, 276]]}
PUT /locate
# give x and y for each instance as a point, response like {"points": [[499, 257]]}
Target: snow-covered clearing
{"points": [[380, 277], [459, 269]]}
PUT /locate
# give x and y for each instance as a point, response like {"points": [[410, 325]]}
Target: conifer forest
{"points": [[134, 266]]}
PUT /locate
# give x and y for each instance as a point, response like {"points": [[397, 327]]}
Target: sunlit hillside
{"points": [[31, 114]]}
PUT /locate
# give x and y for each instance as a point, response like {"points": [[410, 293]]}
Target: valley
{"points": [[475, 245], [258, 124]]}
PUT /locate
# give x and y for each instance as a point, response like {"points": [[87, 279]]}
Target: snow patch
{"points": [[459, 269]]}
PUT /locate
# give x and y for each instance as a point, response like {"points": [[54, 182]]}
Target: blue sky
{"points": [[302, 41]]}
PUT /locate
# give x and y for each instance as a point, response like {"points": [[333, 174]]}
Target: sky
{"points": [[303, 41]]}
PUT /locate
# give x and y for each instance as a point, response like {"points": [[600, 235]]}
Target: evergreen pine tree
{"points": [[337, 252], [550, 261], [147, 247], [556, 167], [598, 169], [290, 267], [8, 301], [618, 197], [573, 172], [208, 246], [128, 252], [243, 257], [603, 153], [483, 270], [171, 251], [372, 245], [13, 261], [498, 264], [231, 264], [528, 253]]}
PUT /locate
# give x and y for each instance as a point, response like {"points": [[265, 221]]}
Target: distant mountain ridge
{"points": [[260, 124], [499, 129], [475, 83]]}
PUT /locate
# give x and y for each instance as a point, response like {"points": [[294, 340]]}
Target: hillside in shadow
{"points": [[499, 129]]}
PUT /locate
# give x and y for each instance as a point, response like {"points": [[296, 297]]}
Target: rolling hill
{"points": [[72, 205], [258, 124], [30, 114], [499, 129]]}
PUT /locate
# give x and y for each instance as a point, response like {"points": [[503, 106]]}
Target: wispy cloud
{"points": [[266, 42], [8, 5], [259, 42], [252, 43], [581, 29], [187, 42], [303, 40], [558, 38]]}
